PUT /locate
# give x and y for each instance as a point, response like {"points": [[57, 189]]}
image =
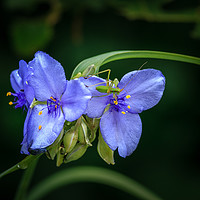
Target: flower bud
{"points": [[60, 156], [70, 139], [93, 126], [76, 153], [53, 149], [104, 151], [83, 134]]}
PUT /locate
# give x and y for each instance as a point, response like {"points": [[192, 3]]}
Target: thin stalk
{"points": [[25, 182]]}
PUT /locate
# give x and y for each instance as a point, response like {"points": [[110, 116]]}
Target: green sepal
{"points": [[76, 153], [104, 150], [70, 139]]}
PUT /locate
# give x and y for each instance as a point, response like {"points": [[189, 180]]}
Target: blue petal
{"points": [[51, 126], [145, 88], [121, 131], [75, 99], [23, 69], [24, 149], [92, 82], [48, 78], [16, 81], [96, 106]]}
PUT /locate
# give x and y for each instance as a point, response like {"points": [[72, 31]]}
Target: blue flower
{"points": [[57, 100], [120, 123], [24, 93]]}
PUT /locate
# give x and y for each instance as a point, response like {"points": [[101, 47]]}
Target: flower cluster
{"points": [[54, 103]]}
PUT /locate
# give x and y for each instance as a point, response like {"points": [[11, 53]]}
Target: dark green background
{"points": [[167, 159]]}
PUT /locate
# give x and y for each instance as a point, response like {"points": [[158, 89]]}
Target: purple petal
{"points": [[75, 99], [48, 78], [92, 82], [42, 130], [16, 81], [121, 131], [96, 106], [145, 88]]}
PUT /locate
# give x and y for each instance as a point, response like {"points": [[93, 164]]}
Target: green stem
{"points": [[91, 174], [21, 165], [25, 182]]}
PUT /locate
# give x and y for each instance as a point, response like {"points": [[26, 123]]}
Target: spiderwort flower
{"points": [[120, 123], [24, 93], [57, 100]]}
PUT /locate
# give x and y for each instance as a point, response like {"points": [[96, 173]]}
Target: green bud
{"points": [[70, 139], [93, 125], [76, 153], [90, 70], [60, 156], [53, 149], [104, 150], [115, 82], [83, 133]]}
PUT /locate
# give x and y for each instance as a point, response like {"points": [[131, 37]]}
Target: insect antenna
{"points": [[135, 74]]}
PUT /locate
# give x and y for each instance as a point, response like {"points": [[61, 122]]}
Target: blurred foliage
{"points": [[40, 27]]}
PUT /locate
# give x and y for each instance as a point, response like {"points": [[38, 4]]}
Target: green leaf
{"points": [[102, 59], [104, 150], [91, 174]]}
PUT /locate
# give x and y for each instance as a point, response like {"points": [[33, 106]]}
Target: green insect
{"points": [[109, 84]]}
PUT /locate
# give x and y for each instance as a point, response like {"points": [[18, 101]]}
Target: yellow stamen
{"points": [[40, 113], [56, 106], [128, 107], [10, 103], [116, 102], [52, 99], [123, 112], [40, 127], [128, 96], [8, 94]]}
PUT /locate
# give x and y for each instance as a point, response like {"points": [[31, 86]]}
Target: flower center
{"points": [[19, 99], [119, 104], [53, 106]]}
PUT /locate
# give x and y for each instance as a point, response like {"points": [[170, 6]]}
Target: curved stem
{"points": [[91, 174], [21, 165], [25, 182]]}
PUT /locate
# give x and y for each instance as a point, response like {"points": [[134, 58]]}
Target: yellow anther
{"points": [[40, 113], [128, 107], [123, 112], [40, 127], [56, 106], [52, 99], [10, 103], [8, 94], [128, 96], [116, 102]]}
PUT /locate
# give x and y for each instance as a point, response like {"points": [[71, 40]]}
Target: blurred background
{"points": [[167, 159]]}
